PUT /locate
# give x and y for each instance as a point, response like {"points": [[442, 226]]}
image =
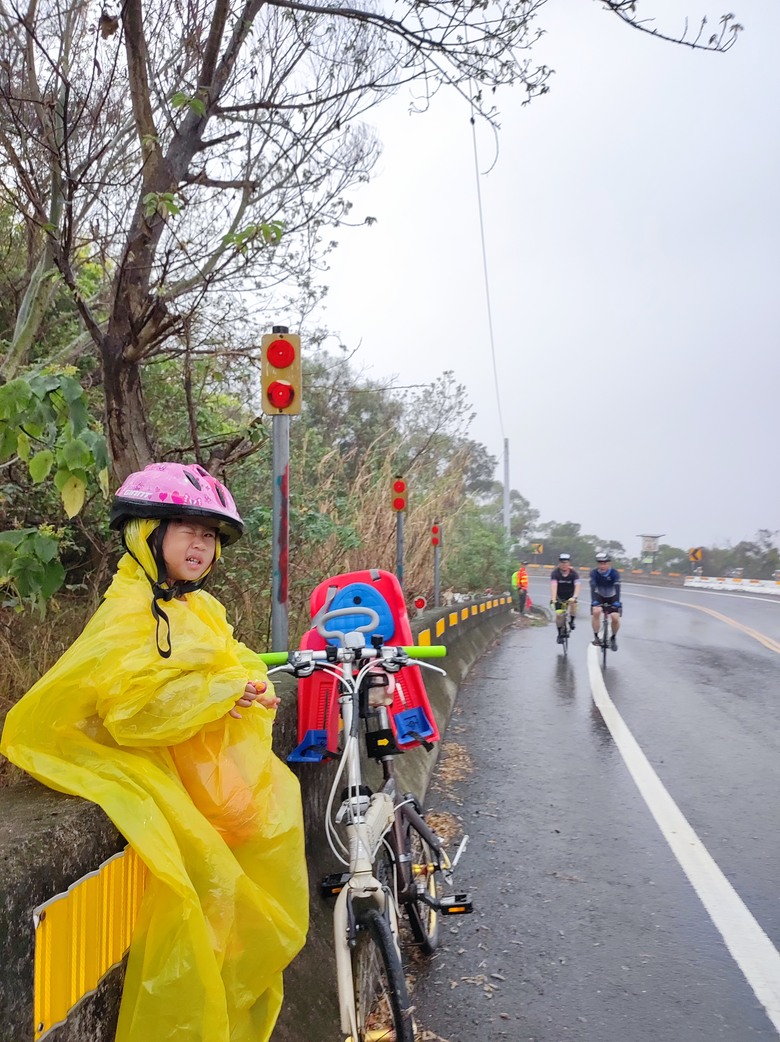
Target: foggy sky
{"points": [[632, 223]]}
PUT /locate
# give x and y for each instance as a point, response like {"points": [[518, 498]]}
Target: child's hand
{"points": [[255, 691]]}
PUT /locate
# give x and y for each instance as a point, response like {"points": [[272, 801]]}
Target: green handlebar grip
{"points": [[429, 651], [274, 658]]}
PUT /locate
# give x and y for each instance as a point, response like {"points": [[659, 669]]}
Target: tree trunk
{"points": [[126, 425]]}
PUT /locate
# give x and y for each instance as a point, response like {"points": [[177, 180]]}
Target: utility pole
{"points": [[507, 517]]}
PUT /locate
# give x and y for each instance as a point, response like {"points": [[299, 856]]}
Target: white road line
{"points": [[751, 949], [713, 593]]}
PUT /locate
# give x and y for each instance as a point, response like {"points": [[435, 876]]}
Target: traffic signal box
{"points": [[399, 494], [281, 374], [435, 534]]}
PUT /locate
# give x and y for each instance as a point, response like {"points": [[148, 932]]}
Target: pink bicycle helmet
{"points": [[167, 490]]}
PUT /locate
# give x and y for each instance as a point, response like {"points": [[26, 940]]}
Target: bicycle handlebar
{"points": [[281, 658]]}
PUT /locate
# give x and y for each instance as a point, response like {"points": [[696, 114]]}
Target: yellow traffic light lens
{"points": [[280, 353]]}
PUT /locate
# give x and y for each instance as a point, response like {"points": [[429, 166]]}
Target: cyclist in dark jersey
{"points": [[564, 586], [605, 597]]}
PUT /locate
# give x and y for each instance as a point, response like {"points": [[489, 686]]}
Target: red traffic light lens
{"points": [[399, 503], [280, 353], [419, 603], [280, 394], [399, 486]]}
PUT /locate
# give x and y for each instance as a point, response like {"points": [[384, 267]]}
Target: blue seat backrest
{"points": [[367, 597]]}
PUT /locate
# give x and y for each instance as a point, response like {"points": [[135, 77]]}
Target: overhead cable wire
{"points": [[485, 270]]}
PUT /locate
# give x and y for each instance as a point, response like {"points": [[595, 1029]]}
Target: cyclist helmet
{"points": [[168, 490], [601, 556], [564, 557]]}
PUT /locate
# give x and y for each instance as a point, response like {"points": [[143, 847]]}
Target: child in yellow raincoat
{"points": [[161, 717]]}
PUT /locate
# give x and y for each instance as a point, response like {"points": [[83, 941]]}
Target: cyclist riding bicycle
{"points": [[564, 589], [605, 597]]}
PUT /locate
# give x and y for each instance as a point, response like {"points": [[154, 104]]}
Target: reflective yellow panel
{"points": [[81, 934]]}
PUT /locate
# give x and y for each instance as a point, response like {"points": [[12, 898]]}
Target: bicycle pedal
{"points": [[333, 884], [456, 904]]}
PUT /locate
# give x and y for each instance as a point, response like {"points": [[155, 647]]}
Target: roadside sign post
{"points": [[281, 398], [649, 549], [398, 498], [436, 543]]}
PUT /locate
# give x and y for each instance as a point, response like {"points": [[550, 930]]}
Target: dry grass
{"points": [[29, 646]]}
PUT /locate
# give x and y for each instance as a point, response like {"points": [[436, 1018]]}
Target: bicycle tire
{"points": [[565, 635], [604, 639], [423, 919], [383, 1010]]}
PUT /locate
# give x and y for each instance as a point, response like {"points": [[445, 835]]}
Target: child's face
{"points": [[188, 548]]}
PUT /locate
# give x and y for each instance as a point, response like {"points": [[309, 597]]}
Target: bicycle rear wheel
{"points": [[423, 919], [382, 1007]]}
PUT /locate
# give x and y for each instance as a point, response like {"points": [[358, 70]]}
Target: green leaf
{"points": [[198, 107], [23, 446], [179, 100], [61, 478], [71, 389], [8, 442], [79, 417], [75, 454], [52, 579], [14, 536], [46, 547], [40, 465], [43, 383], [103, 479], [14, 397]]}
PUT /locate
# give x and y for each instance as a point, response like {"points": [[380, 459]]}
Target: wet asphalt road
{"points": [[586, 929]]}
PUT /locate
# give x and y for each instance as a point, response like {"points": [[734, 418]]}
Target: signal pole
{"points": [[398, 498], [281, 398], [436, 541]]}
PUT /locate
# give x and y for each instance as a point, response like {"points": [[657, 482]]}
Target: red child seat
{"points": [[411, 718]]}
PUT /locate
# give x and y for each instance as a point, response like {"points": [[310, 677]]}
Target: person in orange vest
{"points": [[520, 587]]}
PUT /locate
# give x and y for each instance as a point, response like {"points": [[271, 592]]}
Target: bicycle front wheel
{"points": [[423, 919], [382, 1007], [605, 640]]}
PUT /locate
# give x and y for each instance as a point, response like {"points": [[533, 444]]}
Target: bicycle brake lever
{"points": [[301, 664]]}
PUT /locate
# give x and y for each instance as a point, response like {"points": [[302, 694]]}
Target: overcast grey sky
{"points": [[632, 225]]}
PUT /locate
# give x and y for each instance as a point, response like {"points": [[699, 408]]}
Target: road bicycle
{"points": [[564, 630], [393, 860], [605, 634]]}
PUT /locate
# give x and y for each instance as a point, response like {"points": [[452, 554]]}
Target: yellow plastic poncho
{"points": [[213, 813]]}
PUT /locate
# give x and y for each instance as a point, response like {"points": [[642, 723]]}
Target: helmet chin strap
{"points": [[161, 592]]}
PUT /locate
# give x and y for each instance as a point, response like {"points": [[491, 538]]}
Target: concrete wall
{"points": [[48, 841]]}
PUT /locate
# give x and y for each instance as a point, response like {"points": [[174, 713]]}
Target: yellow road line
{"points": [[768, 642]]}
